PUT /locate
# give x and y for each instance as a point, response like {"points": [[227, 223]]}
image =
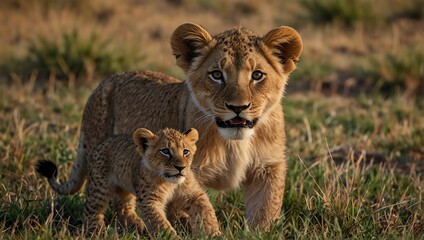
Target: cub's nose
{"points": [[179, 168]]}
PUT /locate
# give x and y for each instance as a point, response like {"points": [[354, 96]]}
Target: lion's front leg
{"points": [[264, 189]]}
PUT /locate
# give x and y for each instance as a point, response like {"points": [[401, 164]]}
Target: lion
{"points": [[232, 95], [150, 169]]}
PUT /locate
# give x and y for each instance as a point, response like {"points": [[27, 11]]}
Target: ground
{"points": [[354, 108]]}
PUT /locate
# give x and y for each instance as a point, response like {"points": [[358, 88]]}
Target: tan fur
{"points": [[117, 170], [226, 157]]}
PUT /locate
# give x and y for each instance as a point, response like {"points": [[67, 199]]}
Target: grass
{"points": [[402, 72], [73, 57], [357, 197], [356, 160], [350, 13], [344, 11]]}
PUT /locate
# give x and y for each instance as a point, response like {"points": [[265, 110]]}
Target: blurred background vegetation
{"points": [[350, 46]]}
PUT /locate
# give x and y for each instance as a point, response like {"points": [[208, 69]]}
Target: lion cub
{"points": [[150, 173]]}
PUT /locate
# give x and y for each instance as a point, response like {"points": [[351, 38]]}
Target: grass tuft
{"points": [[74, 57], [340, 11], [398, 73]]}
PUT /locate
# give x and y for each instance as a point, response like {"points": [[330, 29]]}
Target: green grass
{"points": [[346, 12], [411, 9], [401, 72], [356, 197], [72, 57], [356, 163], [312, 71], [352, 12]]}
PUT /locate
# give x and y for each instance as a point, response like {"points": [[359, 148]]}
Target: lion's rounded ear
{"points": [[192, 135], [142, 137], [286, 44], [187, 41]]}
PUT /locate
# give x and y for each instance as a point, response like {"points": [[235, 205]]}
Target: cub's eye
{"points": [[258, 75], [216, 76], [186, 152], [165, 152]]}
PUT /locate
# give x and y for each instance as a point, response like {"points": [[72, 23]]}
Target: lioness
{"points": [[232, 94]]}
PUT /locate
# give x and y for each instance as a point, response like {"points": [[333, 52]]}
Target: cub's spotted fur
{"points": [[150, 173]]}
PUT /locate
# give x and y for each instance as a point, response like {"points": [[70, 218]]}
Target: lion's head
{"points": [[168, 153], [236, 77]]}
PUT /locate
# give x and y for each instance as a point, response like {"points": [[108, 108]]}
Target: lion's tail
{"points": [[97, 124], [78, 175]]}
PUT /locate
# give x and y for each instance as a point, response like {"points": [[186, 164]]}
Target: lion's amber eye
{"points": [[258, 75], [186, 152], [165, 152], [216, 76]]}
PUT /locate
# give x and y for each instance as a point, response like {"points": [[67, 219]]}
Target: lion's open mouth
{"points": [[178, 175], [236, 122]]}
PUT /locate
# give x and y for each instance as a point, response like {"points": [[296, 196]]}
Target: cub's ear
{"points": [[142, 137], [192, 135], [286, 44], [187, 41]]}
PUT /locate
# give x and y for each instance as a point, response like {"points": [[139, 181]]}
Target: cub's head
{"points": [[236, 77], [169, 153]]}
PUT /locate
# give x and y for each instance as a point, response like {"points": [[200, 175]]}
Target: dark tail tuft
{"points": [[46, 168]]}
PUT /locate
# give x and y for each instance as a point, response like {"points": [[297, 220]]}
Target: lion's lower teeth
{"points": [[238, 121], [235, 123]]}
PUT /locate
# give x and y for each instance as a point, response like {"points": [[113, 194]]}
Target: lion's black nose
{"points": [[237, 109], [179, 168]]}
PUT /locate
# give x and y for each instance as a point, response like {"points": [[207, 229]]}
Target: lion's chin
{"points": [[236, 133], [177, 179]]}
